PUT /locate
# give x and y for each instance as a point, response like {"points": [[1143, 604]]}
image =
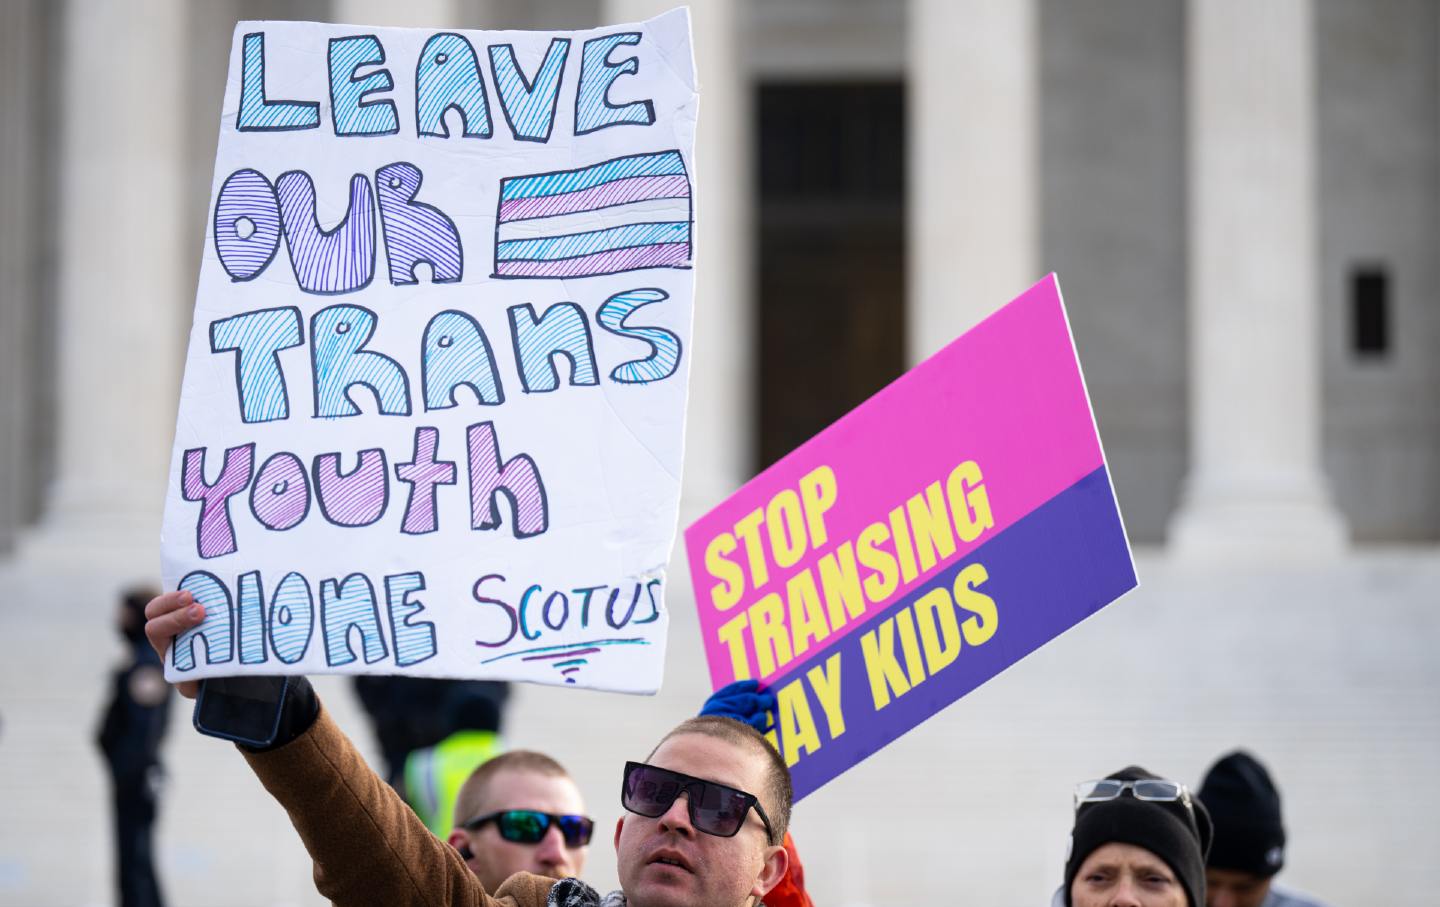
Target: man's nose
{"points": [[677, 817], [551, 849], [1220, 899]]}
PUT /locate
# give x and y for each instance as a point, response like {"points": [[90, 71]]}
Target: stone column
{"points": [[1255, 486], [123, 283], [973, 163], [409, 14], [721, 417], [22, 40]]}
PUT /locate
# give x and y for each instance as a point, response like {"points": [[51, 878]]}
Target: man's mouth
{"points": [[670, 858]]}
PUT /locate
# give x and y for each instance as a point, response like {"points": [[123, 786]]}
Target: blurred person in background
{"points": [[1249, 836], [1138, 841], [412, 713], [130, 735], [521, 812], [433, 775]]}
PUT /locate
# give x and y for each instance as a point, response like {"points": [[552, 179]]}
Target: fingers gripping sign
{"points": [[166, 617]]}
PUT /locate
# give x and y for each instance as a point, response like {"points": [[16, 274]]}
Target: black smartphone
{"points": [[242, 709]]}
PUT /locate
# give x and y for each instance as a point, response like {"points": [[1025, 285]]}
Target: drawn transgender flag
{"points": [[624, 214]]}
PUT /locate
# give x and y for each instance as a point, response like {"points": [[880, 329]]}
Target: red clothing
{"points": [[791, 890]]}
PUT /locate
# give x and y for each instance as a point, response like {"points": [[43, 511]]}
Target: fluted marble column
{"points": [[1255, 487], [124, 287], [718, 431], [409, 14], [21, 43], [973, 163]]}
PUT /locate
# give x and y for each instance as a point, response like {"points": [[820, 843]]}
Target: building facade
{"points": [[1242, 202], [1245, 233]]}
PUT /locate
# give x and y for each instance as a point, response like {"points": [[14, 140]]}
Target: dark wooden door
{"points": [[831, 254]]}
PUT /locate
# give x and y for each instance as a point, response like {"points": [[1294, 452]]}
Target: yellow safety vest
{"points": [[434, 775]]}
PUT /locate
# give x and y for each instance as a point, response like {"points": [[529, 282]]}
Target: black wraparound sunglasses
{"points": [[714, 808], [528, 826]]}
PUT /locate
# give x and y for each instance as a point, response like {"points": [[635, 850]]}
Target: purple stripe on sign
{"points": [[616, 192], [560, 654], [1051, 569], [659, 255]]}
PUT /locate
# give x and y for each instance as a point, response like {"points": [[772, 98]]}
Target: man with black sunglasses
{"points": [[521, 812], [708, 810], [721, 843]]}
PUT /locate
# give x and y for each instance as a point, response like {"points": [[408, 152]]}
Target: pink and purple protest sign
{"points": [[949, 526]]}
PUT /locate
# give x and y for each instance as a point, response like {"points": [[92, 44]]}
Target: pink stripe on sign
{"points": [[659, 255], [1007, 395], [615, 192]]}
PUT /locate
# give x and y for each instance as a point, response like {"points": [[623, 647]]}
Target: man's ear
{"points": [[619, 824], [461, 843], [777, 861]]}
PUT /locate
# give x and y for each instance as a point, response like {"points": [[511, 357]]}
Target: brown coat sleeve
{"points": [[368, 846]]}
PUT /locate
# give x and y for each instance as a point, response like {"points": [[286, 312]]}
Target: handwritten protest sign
{"points": [[943, 530], [433, 399]]}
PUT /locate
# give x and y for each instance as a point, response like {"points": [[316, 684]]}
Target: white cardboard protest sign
{"points": [[434, 395]]}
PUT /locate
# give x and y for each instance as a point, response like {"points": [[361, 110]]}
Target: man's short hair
{"points": [[779, 794], [470, 799]]}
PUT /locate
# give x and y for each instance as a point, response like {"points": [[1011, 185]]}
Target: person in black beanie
{"points": [[1249, 836], [1138, 840]]}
